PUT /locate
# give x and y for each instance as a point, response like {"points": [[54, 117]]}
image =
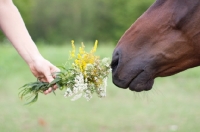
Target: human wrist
{"points": [[33, 59], [28, 51]]}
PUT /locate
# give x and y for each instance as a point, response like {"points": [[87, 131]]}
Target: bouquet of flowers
{"points": [[86, 75]]}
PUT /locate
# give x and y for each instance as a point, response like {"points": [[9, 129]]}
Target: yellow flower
{"points": [[72, 53], [83, 58], [95, 47], [82, 49]]}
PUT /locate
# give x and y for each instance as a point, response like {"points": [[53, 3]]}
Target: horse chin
{"points": [[142, 81], [139, 86]]}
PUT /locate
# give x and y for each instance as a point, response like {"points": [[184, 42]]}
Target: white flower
{"points": [[106, 62], [88, 95], [76, 97], [94, 80], [77, 89], [68, 92], [89, 67], [102, 90], [102, 94], [80, 85]]}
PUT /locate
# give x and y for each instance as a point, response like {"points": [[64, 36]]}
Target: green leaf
{"points": [[33, 100]]}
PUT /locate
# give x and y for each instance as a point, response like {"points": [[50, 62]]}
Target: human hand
{"points": [[43, 70]]}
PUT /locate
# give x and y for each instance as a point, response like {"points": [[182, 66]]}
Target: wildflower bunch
{"points": [[85, 76]]}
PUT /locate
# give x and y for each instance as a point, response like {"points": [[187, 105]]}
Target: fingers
{"points": [[50, 78], [54, 70], [44, 71], [48, 91], [41, 78], [45, 79]]}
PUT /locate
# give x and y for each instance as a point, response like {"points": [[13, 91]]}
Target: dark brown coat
{"points": [[165, 40]]}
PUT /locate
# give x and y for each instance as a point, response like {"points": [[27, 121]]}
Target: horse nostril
{"points": [[115, 61], [114, 64]]}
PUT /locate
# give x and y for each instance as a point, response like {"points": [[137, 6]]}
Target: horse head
{"points": [[165, 40]]}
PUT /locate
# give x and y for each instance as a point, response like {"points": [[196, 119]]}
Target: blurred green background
{"points": [[172, 104], [58, 21]]}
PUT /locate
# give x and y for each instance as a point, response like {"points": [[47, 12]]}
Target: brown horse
{"points": [[165, 40]]}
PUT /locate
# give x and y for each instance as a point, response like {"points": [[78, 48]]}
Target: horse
{"points": [[163, 41]]}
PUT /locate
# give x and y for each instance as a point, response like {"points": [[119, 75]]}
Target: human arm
{"points": [[12, 25]]}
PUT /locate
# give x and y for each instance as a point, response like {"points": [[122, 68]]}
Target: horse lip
{"points": [[135, 77], [142, 82], [123, 83]]}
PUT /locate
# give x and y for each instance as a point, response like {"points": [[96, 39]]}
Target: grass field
{"points": [[172, 105]]}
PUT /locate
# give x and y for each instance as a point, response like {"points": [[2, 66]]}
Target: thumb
{"points": [[48, 77]]}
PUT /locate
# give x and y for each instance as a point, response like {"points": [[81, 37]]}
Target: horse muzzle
{"points": [[135, 75]]}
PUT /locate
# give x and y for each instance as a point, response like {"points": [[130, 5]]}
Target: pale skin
{"points": [[12, 25]]}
